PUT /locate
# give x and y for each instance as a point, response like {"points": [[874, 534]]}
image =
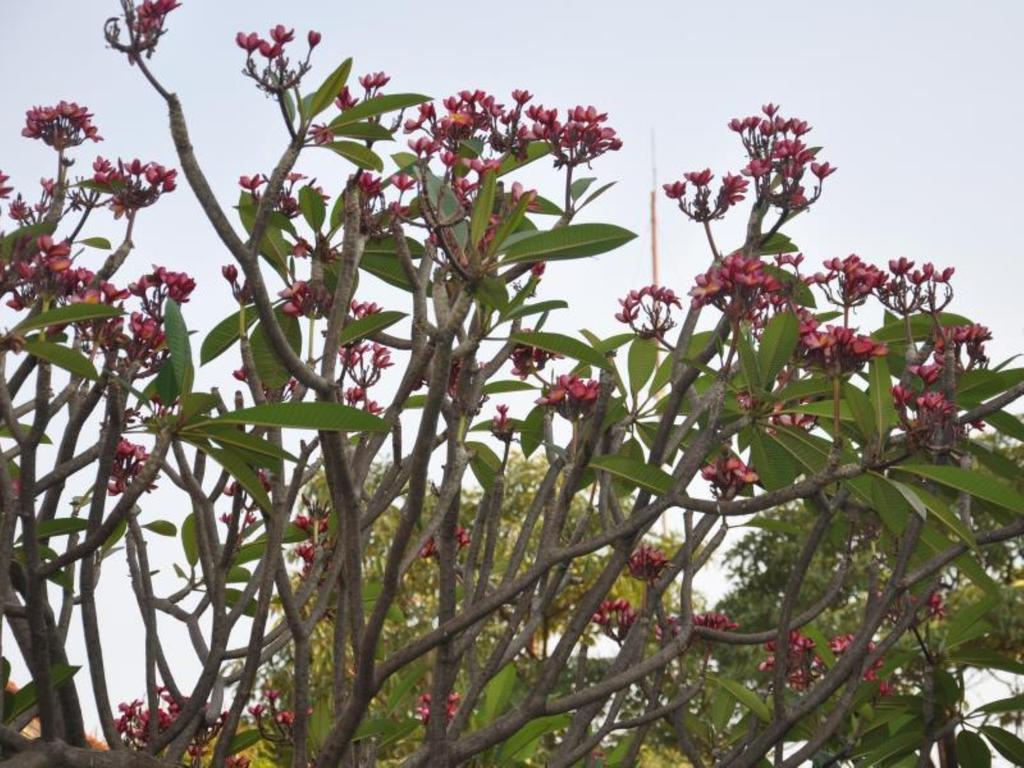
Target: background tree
{"points": [[761, 400]]}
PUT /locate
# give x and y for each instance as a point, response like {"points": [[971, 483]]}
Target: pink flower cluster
{"points": [[804, 665], [61, 126], [132, 185], [451, 708], [836, 349], [778, 158], [502, 427], [701, 206], [133, 724], [583, 137], [647, 563], [615, 617], [570, 395], [159, 285], [728, 475], [655, 304], [850, 281], [129, 459], [277, 75], [145, 23], [716, 621], [476, 115], [737, 286], [430, 548], [469, 115], [273, 722], [527, 360], [909, 290], [314, 521]]}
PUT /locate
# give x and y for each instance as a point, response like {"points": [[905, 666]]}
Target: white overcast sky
{"points": [[918, 104]]}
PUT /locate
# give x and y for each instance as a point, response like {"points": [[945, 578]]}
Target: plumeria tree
{"points": [[329, 491]]}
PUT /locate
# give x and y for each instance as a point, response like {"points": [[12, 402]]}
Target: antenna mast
{"points": [[655, 277]]}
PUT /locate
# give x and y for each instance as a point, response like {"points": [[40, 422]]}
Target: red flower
{"points": [[656, 305], [62, 126], [647, 563], [716, 621], [615, 617], [728, 476]]}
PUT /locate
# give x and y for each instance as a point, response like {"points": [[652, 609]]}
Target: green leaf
{"points": [[5, 432], [242, 472], [975, 484], [271, 370], [1011, 426], [771, 461], [642, 359], [96, 242], [1011, 704], [406, 681], [243, 740], [319, 416], [594, 195], [365, 131], [329, 89], [257, 450], [162, 528], [531, 430], [188, 540], [861, 408], [225, 334], [231, 598], [579, 187], [493, 293], [356, 154], [571, 242], [960, 625], [880, 393], [722, 707], [984, 658], [535, 150], [778, 243], [25, 698], [900, 744], [941, 511], [562, 345], [367, 326], [511, 385], [484, 463], [521, 744], [921, 327], [525, 310], [744, 696], [180, 350], [60, 526], [313, 208], [378, 105], [543, 207], [497, 694], [777, 344], [748, 361], [482, 208], [972, 750], [10, 240], [646, 476], [72, 313], [1007, 744], [70, 360]]}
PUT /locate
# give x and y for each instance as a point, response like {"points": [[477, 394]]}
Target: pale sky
{"points": [[917, 103]]}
